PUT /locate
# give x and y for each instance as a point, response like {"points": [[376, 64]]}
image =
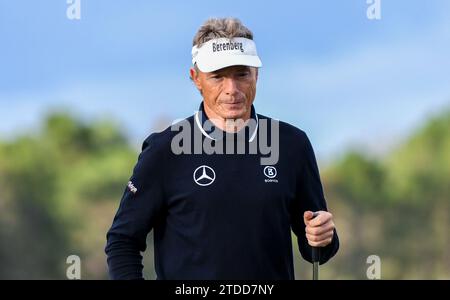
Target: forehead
{"points": [[231, 69]]}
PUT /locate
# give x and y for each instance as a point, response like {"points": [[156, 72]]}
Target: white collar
{"points": [[202, 130]]}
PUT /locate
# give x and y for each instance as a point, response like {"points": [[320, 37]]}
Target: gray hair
{"points": [[221, 28]]}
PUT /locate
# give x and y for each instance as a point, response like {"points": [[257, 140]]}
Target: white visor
{"points": [[223, 52]]}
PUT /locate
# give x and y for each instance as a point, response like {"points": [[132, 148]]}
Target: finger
{"points": [[321, 219], [307, 215], [320, 229], [322, 240], [318, 238], [321, 243]]}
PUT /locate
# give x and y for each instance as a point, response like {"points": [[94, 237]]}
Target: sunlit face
{"points": [[228, 93]]}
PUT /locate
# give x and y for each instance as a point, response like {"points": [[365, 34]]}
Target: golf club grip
{"points": [[315, 250], [315, 254]]}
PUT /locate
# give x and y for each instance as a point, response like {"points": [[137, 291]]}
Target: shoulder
{"points": [[161, 141], [294, 143], [157, 146], [288, 133]]}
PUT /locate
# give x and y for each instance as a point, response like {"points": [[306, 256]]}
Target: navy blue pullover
{"points": [[217, 216]]}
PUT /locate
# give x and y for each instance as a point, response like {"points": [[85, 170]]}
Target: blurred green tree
{"points": [[60, 187], [58, 190]]}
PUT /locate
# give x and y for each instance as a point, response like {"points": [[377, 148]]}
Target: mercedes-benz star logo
{"points": [[204, 175]]}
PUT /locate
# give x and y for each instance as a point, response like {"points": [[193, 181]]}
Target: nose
{"points": [[230, 86]]}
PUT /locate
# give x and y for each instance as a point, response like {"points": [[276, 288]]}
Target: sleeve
{"points": [[309, 196], [141, 206]]}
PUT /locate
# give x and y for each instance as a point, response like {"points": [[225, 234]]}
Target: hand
{"points": [[319, 231]]}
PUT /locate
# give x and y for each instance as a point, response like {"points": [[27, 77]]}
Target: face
{"points": [[227, 93]]}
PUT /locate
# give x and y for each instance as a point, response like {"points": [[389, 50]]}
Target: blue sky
{"points": [[344, 79]]}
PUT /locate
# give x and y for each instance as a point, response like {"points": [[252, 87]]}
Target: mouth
{"points": [[234, 105], [238, 102]]}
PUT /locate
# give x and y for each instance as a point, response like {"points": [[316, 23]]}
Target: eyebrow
{"points": [[238, 69]]}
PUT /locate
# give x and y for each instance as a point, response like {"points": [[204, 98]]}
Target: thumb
{"points": [[307, 215]]}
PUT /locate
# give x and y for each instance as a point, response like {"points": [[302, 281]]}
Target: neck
{"points": [[224, 124]]}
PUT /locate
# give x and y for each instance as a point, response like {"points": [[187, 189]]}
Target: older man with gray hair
{"points": [[222, 214]]}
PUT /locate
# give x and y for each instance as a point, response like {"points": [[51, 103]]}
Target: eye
{"points": [[216, 77], [243, 74]]}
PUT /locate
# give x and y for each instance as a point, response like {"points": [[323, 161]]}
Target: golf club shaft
{"points": [[315, 257]]}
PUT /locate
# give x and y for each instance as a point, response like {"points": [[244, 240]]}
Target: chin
{"points": [[235, 114], [233, 111]]}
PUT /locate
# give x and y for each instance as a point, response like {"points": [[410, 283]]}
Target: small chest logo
{"points": [[271, 173], [204, 175]]}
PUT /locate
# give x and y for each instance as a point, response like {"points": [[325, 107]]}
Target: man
{"points": [[222, 215]]}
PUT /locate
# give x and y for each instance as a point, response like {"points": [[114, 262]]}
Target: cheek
{"points": [[251, 90], [211, 92]]}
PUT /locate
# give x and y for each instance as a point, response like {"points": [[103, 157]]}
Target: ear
{"points": [[256, 69], [194, 77]]}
